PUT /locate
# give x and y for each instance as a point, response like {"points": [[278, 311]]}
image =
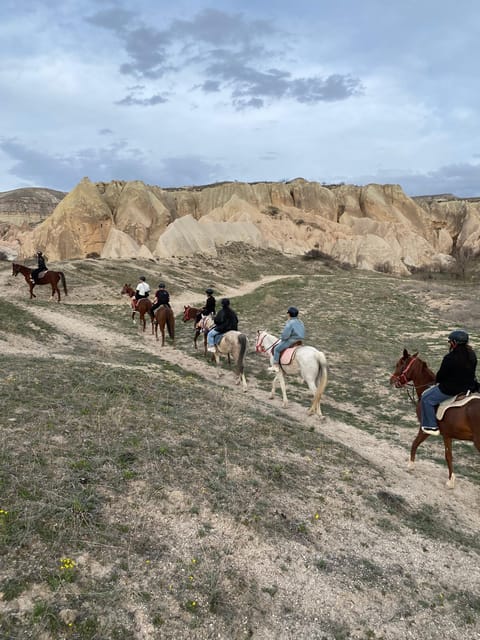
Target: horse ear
{"points": [[405, 354]]}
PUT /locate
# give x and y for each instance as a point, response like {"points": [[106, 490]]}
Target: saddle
{"points": [[456, 401], [287, 355]]}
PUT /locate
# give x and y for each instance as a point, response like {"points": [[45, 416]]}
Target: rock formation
{"points": [[370, 227]]}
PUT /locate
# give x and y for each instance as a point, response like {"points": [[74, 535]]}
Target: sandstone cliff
{"points": [[369, 227]]}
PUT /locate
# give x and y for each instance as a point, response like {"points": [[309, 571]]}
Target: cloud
{"points": [[459, 179], [130, 100], [229, 51], [117, 161]]}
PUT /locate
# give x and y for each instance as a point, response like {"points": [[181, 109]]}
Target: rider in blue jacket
{"points": [[293, 331]]}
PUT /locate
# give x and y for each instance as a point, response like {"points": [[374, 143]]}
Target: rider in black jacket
{"points": [[225, 320], [41, 266]]}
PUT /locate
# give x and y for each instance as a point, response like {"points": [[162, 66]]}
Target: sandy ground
{"points": [[425, 486]]}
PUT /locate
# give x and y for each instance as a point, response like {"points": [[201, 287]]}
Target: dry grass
{"points": [[139, 500]]}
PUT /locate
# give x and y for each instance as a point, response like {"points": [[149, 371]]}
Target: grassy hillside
{"points": [[142, 496]]}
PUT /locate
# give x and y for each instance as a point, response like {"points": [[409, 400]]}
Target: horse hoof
{"points": [[411, 465], [450, 484]]}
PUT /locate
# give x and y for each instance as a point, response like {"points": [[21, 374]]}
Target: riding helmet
{"points": [[142, 278], [225, 302], [209, 291], [39, 253], [459, 336], [292, 311], [161, 285]]}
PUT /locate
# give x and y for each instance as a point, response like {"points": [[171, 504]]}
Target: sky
{"points": [[194, 92]]}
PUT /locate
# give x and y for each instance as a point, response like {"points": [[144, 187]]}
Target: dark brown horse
{"points": [[143, 306], [459, 422], [191, 313], [164, 317], [49, 277]]}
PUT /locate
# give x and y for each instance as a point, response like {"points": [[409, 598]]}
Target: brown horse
{"points": [[459, 422], [164, 317], [191, 313], [49, 277], [143, 306]]}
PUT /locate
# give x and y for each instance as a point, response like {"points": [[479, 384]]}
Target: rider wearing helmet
{"points": [[456, 375], [225, 320], [161, 297], [293, 331], [41, 266], [208, 307]]}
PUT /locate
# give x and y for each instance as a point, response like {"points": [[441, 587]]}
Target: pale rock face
{"points": [[119, 245], [468, 241], [185, 237], [369, 227], [79, 226], [141, 214]]}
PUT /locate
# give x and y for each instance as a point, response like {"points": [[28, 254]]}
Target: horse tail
{"points": [[64, 282], [171, 325], [322, 378], [242, 339]]}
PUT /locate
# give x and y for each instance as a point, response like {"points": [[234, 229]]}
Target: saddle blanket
{"points": [[454, 402], [287, 356]]}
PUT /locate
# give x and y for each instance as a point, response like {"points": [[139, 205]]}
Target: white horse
{"points": [[308, 362], [232, 343]]}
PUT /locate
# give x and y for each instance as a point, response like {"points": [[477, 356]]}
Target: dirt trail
{"points": [[426, 485]]}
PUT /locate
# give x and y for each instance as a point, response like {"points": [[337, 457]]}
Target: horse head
{"points": [[260, 343], [127, 289], [401, 376], [187, 313], [15, 268]]}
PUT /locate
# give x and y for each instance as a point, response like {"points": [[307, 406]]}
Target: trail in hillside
{"points": [[425, 486]]}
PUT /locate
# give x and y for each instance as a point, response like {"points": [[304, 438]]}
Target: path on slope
{"points": [[425, 486]]}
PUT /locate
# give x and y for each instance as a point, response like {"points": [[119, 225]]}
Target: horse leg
{"points": [[56, 290], [449, 458], [283, 387], [153, 329], [133, 317], [421, 436], [32, 295], [315, 406]]}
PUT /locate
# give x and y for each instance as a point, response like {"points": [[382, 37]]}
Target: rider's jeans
{"points": [[211, 335], [428, 402], [281, 346]]}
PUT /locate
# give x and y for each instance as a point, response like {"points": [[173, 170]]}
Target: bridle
{"points": [[401, 380], [260, 348]]}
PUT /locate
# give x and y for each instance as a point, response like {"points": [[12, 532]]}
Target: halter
{"points": [[259, 348], [401, 380]]}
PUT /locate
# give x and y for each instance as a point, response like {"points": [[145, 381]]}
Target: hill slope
{"points": [[145, 497]]}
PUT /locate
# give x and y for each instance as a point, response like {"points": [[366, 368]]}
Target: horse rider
{"points": [[41, 266], [225, 320], [456, 375], [142, 290], [293, 331], [209, 306], [161, 297]]}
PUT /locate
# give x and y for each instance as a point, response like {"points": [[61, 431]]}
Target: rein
{"points": [[259, 348], [401, 380]]}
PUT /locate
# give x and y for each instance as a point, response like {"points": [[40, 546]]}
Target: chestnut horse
{"points": [[459, 422], [191, 313], [49, 277], [143, 306], [308, 362], [164, 316]]}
